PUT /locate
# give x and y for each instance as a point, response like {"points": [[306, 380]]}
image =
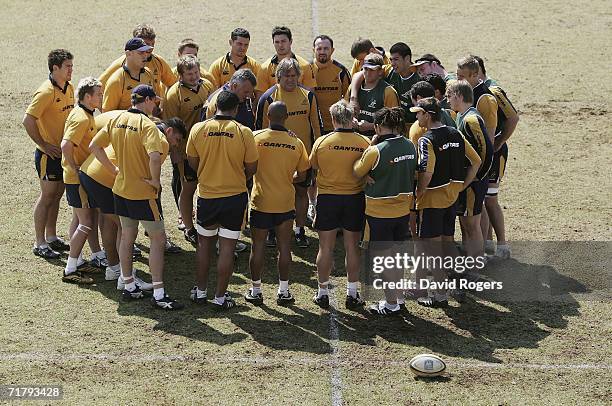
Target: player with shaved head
{"points": [[283, 162]]}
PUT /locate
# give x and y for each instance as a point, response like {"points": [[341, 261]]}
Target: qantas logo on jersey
{"points": [[126, 127], [225, 72], [449, 145], [67, 107], [198, 106], [326, 88], [345, 148], [297, 113], [401, 158], [186, 99], [276, 145], [220, 134]]}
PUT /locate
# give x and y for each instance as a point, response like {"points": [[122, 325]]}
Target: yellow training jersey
{"points": [[334, 155], [92, 167], [50, 107], [118, 89], [280, 156], [223, 68], [133, 137], [333, 81], [304, 118], [223, 146], [267, 73], [79, 129], [161, 71], [204, 74], [186, 103], [486, 104]]}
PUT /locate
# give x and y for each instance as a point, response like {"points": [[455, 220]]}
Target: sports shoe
{"points": [[322, 302], [431, 302], [98, 262], [195, 299], [167, 303], [172, 248], [78, 278], [191, 236], [503, 251], [128, 296], [271, 239], [180, 224], [240, 246], [489, 246], [111, 275], [45, 252], [257, 299], [58, 245], [136, 252], [285, 299], [139, 282], [301, 240], [353, 303], [381, 310], [227, 304]]}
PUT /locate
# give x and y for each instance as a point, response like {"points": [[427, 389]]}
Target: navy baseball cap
{"points": [[137, 44], [141, 92]]}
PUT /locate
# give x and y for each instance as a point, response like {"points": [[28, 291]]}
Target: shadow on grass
{"points": [[486, 322]]}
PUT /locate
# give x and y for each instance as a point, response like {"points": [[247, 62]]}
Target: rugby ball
{"points": [[427, 365]]}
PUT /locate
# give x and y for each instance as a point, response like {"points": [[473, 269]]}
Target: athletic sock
{"points": [[130, 287], [400, 301], [158, 293], [296, 229], [283, 287], [100, 254], [255, 290], [71, 265], [52, 238], [219, 300], [115, 268], [322, 292], [351, 289], [200, 294]]}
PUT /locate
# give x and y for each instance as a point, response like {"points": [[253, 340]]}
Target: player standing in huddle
{"points": [[223, 153], [44, 122], [281, 155], [340, 202], [224, 68]]}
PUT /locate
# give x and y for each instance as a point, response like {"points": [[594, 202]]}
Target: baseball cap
{"points": [[141, 92], [137, 44], [373, 61], [427, 58]]}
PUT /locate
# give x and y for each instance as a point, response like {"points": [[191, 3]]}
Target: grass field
{"points": [[552, 58]]}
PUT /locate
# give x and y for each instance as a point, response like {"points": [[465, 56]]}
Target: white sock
{"points": [[100, 254], [296, 230], [400, 300], [390, 306], [52, 238], [80, 259], [220, 300], [71, 265], [322, 292], [130, 287], [256, 289], [115, 268], [43, 245], [158, 293], [283, 286], [200, 294], [351, 289]]}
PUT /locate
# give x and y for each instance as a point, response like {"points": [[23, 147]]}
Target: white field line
{"points": [[314, 8], [334, 343], [305, 361]]}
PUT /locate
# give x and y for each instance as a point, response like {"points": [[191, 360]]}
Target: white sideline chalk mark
{"points": [[128, 358], [334, 343], [314, 8]]}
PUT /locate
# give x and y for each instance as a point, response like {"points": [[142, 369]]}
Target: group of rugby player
{"points": [[390, 151]]}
